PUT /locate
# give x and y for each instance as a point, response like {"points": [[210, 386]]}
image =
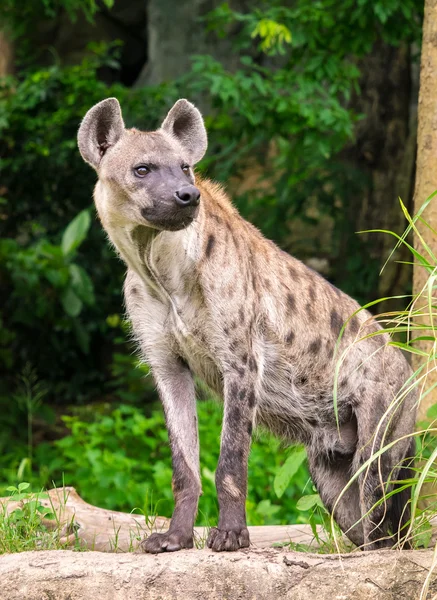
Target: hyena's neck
{"points": [[164, 260], [169, 262]]}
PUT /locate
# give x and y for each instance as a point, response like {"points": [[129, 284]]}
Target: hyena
{"points": [[209, 297]]}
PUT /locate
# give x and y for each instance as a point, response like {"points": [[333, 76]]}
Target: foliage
{"points": [[19, 18], [58, 288], [296, 110], [288, 470], [48, 292], [326, 539], [308, 24]]}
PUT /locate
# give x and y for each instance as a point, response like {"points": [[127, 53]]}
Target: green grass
{"points": [[26, 524], [416, 323]]}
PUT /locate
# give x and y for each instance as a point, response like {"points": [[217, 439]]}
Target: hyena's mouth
{"points": [[170, 220]]}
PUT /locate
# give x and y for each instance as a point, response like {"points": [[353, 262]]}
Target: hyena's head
{"points": [[144, 178]]}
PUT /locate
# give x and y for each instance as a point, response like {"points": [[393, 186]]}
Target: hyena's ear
{"points": [[185, 123], [100, 129]]}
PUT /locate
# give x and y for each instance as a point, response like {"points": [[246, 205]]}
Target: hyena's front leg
{"points": [[231, 474], [176, 390]]}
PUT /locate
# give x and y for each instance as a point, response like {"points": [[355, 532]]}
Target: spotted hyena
{"points": [[209, 296]]}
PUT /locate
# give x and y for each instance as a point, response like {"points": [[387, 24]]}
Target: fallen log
{"points": [[93, 528], [201, 574]]}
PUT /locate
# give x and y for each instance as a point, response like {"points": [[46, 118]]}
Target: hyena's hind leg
{"points": [[331, 474], [383, 516]]}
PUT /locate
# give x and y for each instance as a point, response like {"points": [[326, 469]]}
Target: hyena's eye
{"points": [[186, 169], [141, 171]]}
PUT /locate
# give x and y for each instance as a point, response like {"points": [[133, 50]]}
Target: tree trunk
{"points": [[6, 55], [382, 157], [176, 32], [426, 178]]}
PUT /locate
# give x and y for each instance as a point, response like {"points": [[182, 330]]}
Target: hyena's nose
{"points": [[188, 195]]}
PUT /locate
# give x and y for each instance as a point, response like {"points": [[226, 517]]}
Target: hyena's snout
{"points": [[173, 210], [188, 195]]}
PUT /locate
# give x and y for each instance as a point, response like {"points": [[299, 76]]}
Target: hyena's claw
{"points": [[167, 542], [223, 540]]}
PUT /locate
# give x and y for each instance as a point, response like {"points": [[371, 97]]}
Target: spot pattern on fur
{"points": [[290, 337], [291, 301], [209, 245], [252, 364], [336, 322], [315, 346]]}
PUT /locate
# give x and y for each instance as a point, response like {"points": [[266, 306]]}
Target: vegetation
{"points": [[291, 134], [30, 526]]}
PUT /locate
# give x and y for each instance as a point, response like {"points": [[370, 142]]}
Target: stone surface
{"points": [[201, 574]]}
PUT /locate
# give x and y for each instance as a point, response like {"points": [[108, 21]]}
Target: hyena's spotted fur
{"points": [[209, 296]]}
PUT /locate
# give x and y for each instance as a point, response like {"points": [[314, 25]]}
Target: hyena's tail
{"points": [[401, 505]]}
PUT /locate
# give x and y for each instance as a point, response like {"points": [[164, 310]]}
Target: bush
{"points": [[45, 185]]}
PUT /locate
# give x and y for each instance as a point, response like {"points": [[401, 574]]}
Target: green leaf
{"points": [[58, 277], [267, 509], [76, 232], [208, 474], [25, 463], [113, 320], [23, 486], [308, 502], [423, 535], [432, 412], [288, 469], [71, 302], [82, 337], [82, 284]]}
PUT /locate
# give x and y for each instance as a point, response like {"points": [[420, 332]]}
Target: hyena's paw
{"points": [[228, 540], [167, 542]]}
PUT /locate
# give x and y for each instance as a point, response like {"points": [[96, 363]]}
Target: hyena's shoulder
{"points": [[250, 272]]}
